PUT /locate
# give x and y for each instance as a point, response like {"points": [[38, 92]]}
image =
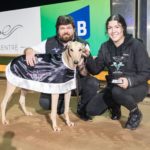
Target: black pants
{"points": [[88, 88], [45, 102], [128, 97], [112, 97], [93, 102]]}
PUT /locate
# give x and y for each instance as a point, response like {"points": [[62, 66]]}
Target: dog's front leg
{"points": [[9, 91], [54, 103], [66, 112], [22, 102]]}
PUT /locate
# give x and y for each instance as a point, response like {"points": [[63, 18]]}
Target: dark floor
{"points": [[35, 132]]}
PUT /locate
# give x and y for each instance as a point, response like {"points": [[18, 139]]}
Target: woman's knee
{"points": [[117, 92], [91, 82], [96, 106]]}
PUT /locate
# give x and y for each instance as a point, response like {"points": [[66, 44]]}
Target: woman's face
{"points": [[115, 32]]}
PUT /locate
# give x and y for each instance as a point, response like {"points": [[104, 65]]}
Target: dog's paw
{"points": [[28, 113], [70, 124], [56, 129], [5, 122]]}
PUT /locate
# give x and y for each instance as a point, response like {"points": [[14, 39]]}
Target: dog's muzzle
{"points": [[76, 62]]}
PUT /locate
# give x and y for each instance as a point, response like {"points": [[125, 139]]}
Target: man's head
{"points": [[65, 28]]}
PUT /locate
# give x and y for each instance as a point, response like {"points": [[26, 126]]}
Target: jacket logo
{"points": [[56, 50], [118, 63]]}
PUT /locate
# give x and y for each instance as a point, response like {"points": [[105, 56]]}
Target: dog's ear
{"points": [[67, 45], [64, 48]]}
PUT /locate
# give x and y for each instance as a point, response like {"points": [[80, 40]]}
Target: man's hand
{"points": [[30, 56], [124, 83]]}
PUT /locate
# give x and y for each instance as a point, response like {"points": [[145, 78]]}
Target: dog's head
{"points": [[75, 51]]}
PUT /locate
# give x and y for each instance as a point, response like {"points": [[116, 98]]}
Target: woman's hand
{"points": [[86, 53], [124, 83]]}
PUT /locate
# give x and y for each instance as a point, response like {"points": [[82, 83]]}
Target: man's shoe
{"points": [[134, 120], [84, 116]]}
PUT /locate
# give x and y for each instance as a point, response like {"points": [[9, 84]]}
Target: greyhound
{"points": [[71, 57]]}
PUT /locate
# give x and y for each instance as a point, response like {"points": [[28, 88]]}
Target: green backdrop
{"points": [[99, 12]]}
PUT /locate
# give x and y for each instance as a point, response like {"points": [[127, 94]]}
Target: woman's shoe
{"points": [[134, 120]]}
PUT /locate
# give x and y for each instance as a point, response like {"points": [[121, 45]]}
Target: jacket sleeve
{"points": [[142, 63], [96, 65]]}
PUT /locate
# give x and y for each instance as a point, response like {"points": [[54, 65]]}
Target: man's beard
{"points": [[65, 38]]}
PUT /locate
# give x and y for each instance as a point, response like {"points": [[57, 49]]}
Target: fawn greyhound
{"points": [[53, 80]]}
